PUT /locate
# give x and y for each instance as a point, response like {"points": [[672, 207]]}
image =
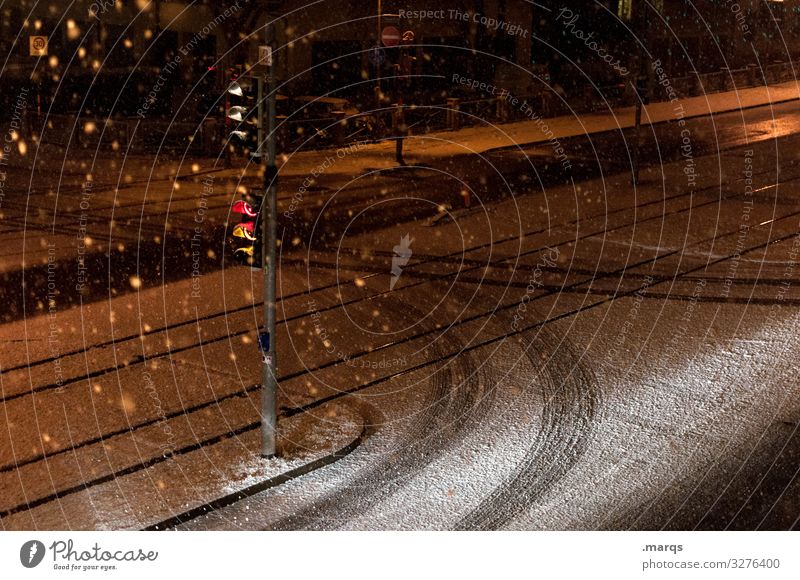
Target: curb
{"points": [[256, 488], [644, 124]]}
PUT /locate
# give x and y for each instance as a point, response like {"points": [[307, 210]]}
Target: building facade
{"points": [[110, 56]]}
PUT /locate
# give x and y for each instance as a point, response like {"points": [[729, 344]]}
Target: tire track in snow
{"points": [[571, 402], [458, 399]]}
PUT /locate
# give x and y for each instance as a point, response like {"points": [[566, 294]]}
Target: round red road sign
{"points": [[390, 36]]}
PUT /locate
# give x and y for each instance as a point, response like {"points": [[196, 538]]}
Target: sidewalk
{"points": [[433, 147], [524, 133]]}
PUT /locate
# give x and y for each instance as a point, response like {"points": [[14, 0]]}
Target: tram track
{"points": [[434, 259], [228, 335], [410, 269], [423, 365]]}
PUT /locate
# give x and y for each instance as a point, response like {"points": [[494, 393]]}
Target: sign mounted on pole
{"points": [[263, 347], [376, 55], [265, 55], [37, 45], [390, 36]]}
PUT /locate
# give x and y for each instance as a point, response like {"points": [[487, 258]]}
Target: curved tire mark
{"points": [[457, 401], [571, 403]]}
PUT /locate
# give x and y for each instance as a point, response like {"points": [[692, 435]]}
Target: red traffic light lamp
{"points": [[246, 236]]}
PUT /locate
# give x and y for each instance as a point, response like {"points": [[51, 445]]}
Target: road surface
{"points": [[573, 354]]}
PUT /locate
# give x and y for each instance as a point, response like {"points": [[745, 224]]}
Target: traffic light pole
{"points": [[378, 64], [637, 137], [269, 379], [642, 87]]}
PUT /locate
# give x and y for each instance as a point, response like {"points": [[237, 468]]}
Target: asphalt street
{"points": [[573, 353]]}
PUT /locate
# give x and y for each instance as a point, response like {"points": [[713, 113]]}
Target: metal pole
{"points": [[637, 137], [378, 64], [399, 119], [227, 124], [642, 81], [261, 126], [269, 380]]}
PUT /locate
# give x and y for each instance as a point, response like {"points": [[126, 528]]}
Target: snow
{"points": [[628, 405]]}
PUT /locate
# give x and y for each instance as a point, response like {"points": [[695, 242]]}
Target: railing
{"points": [[730, 79], [131, 134]]}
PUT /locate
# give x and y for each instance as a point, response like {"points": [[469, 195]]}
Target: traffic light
{"points": [[244, 113], [246, 236]]}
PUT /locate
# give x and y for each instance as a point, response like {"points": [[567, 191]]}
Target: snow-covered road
{"points": [[581, 357]]}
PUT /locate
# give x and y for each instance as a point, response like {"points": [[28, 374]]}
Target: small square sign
{"points": [[265, 55], [263, 342], [37, 45]]}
